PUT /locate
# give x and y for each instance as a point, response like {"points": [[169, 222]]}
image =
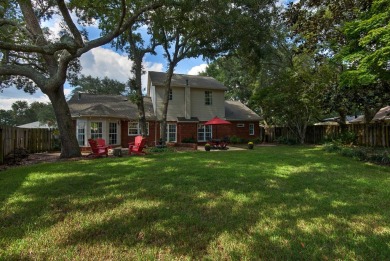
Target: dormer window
{"points": [[208, 97]]}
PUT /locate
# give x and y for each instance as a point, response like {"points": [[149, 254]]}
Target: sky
{"points": [[105, 61]]}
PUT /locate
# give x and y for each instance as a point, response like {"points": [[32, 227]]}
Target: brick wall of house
{"points": [[243, 132], [187, 131], [125, 138]]}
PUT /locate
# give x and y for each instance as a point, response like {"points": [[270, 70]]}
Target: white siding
{"points": [[206, 112], [176, 106]]}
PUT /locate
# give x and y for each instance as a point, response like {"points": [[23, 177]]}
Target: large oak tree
{"points": [[31, 58]]}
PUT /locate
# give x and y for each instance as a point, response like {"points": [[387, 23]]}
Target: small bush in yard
{"points": [[16, 156], [332, 147], [287, 141], [375, 155]]}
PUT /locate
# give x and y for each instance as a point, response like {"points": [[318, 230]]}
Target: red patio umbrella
{"points": [[217, 121]]}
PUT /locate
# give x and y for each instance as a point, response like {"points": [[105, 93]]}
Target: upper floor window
{"points": [[170, 95], [208, 97]]}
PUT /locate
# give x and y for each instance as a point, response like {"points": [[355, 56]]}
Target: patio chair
{"points": [[102, 143], [137, 146], [97, 151]]}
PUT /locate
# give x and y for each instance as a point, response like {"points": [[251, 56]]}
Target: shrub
{"points": [[287, 141], [234, 139], [160, 149], [332, 147], [347, 138], [188, 140]]}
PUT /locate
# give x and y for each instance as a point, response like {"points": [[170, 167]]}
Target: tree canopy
{"points": [[31, 57], [96, 85]]}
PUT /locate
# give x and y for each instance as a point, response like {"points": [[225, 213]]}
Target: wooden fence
{"points": [[374, 134], [34, 140]]}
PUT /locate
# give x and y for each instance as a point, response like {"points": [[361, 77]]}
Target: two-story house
{"points": [[193, 100]]}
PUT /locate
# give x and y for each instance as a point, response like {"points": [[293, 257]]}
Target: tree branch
{"points": [[122, 26], [46, 49], [26, 71], [17, 25], [68, 20]]}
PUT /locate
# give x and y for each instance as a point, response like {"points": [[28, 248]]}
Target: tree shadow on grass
{"points": [[164, 203]]}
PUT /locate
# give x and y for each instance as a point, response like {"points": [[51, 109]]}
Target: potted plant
{"points": [[207, 147], [250, 145]]}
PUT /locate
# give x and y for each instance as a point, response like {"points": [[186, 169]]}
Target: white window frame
{"points": [[240, 125], [170, 95], [99, 133], [110, 134], [169, 131], [208, 98], [251, 129], [138, 128], [204, 130], [81, 125]]}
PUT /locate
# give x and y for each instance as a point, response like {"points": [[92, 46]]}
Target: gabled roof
{"points": [[382, 115], [236, 111], [34, 125], [180, 80], [113, 106]]}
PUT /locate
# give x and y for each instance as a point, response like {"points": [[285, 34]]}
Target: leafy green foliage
{"points": [[95, 85], [367, 52]]}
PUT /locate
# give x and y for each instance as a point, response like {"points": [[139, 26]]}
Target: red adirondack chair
{"points": [[102, 143], [97, 150], [137, 146]]}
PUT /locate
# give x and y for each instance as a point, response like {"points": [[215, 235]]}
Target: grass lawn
{"points": [[283, 203]]}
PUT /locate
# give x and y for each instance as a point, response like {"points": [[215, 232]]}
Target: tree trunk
{"points": [[342, 122], [139, 100], [69, 145], [163, 124]]}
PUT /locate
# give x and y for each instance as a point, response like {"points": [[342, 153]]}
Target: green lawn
{"points": [[283, 203]]}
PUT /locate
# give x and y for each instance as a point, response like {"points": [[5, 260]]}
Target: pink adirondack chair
{"points": [[102, 143], [97, 151], [137, 146]]}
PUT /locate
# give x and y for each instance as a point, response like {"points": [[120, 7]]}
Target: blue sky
{"points": [[104, 61]]}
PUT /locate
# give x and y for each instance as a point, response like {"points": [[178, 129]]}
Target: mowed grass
{"points": [[272, 203]]}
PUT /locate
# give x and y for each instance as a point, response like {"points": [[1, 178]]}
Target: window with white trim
{"points": [[112, 133], [81, 125], [251, 129], [96, 130], [171, 132], [205, 132], [208, 97], [170, 95], [135, 129]]}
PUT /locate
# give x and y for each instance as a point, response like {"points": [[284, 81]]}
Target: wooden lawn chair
{"points": [[97, 151], [137, 146], [102, 143]]}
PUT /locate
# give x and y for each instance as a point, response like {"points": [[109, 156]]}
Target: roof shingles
{"points": [[180, 80], [114, 106]]}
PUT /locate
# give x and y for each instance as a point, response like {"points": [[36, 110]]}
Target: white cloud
{"points": [[101, 62], [11, 95], [197, 69]]}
